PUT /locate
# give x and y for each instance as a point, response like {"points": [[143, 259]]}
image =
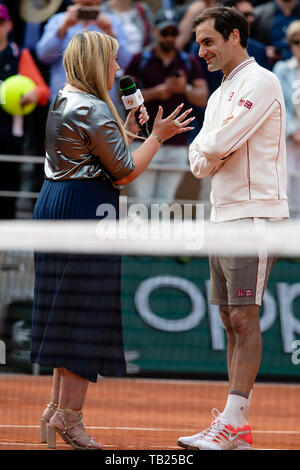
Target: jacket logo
{"points": [[231, 96], [244, 293], [245, 103]]}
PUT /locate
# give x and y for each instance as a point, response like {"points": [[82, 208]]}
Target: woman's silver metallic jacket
{"points": [[83, 140]]}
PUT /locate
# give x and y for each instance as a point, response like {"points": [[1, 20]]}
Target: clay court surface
{"points": [[146, 414]]}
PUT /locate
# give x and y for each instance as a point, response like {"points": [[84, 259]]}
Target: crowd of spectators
{"points": [[158, 49]]}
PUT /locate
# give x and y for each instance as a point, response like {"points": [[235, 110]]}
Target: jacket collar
{"points": [[238, 68]]}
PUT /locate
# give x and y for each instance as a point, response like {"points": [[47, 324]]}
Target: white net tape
{"points": [[144, 237]]}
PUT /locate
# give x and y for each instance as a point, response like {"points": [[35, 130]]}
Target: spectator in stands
{"points": [[288, 72], [186, 15], [29, 18], [270, 24], [15, 61], [137, 21], [166, 77], [255, 48], [63, 26]]}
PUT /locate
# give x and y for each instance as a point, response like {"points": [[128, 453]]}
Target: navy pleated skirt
{"points": [[77, 298]]}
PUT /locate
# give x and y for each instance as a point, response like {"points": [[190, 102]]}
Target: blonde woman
{"points": [[77, 316]]}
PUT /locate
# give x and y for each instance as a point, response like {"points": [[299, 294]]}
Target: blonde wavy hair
{"points": [[294, 28], [87, 61]]}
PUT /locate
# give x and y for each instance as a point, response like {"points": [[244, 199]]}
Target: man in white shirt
{"points": [[241, 146]]}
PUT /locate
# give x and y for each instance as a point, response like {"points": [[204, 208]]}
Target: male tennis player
{"points": [[241, 146]]}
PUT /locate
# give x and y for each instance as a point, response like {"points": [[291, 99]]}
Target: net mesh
{"points": [[174, 341]]}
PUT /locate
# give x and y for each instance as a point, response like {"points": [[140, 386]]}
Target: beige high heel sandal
{"points": [[44, 421], [65, 432]]}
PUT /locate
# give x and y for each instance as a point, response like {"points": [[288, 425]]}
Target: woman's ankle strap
{"points": [[52, 405], [68, 411]]}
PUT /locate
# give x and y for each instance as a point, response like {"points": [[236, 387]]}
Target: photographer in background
{"points": [[166, 77], [83, 15]]}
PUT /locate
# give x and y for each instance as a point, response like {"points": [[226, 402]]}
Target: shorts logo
{"points": [[245, 103], [244, 293]]}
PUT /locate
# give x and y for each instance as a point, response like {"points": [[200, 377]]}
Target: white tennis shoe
{"points": [[220, 435]]}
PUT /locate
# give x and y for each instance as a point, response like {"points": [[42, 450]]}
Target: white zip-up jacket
{"points": [[245, 155]]}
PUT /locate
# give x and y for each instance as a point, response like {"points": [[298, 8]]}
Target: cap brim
{"points": [[167, 24], [30, 13]]}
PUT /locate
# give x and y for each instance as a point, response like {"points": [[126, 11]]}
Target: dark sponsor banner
{"points": [[169, 325]]}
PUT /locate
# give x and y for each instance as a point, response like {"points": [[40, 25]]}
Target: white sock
{"points": [[234, 409], [245, 414]]}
